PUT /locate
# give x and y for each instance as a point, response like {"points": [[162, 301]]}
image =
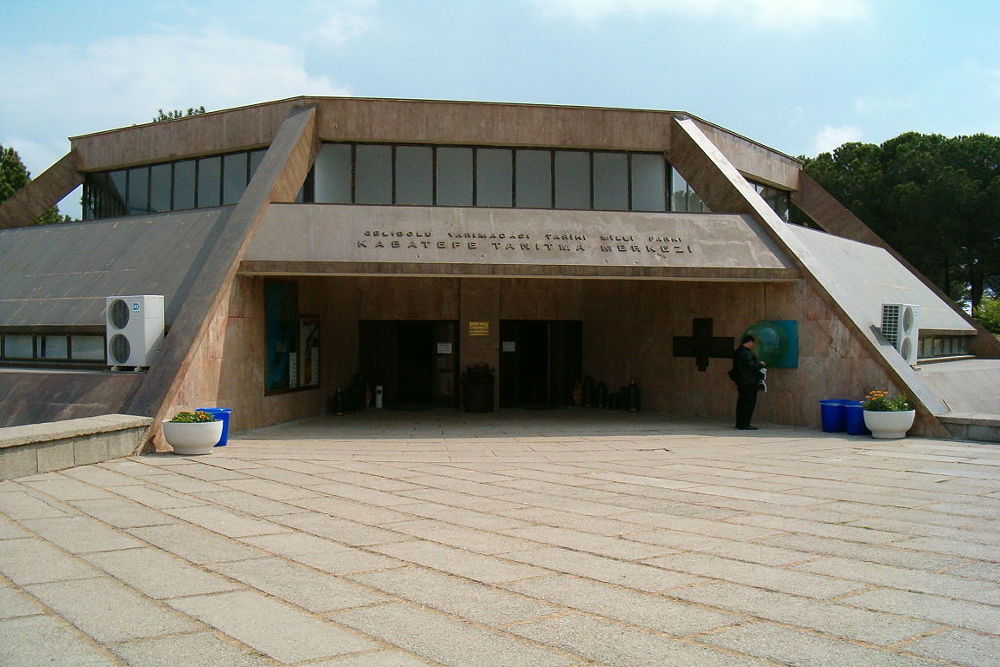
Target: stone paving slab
{"points": [[571, 537]]}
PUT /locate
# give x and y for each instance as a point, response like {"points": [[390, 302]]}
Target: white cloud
{"points": [[830, 137], [344, 21], [773, 14], [124, 80]]}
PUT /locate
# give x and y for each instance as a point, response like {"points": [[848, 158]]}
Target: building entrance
{"points": [[415, 362], [540, 362]]}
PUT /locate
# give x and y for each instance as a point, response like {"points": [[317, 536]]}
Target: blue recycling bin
{"points": [[854, 418], [831, 413], [222, 414]]}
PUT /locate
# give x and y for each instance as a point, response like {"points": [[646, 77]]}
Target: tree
{"points": [[934, 199], [14, 176], [988, 313], [174, 114]]}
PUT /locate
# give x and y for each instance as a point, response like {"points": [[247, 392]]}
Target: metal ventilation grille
{"points": [[118, 313], [891, 324], [119, 348]]}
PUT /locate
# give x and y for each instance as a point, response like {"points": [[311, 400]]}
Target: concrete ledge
{"points": [[972, 426], [34, 448]]}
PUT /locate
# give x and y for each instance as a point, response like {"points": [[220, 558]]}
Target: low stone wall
{"points": [[34, 448], [972, 426]]}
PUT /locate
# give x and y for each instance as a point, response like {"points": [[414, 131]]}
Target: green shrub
{"points": [[198, 417]]}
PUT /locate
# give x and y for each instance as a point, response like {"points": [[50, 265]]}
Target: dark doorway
{"points": [[413, 361], [540, 361]]}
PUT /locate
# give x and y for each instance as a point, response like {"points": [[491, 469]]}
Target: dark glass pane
{"points": [[18, 346], [454, 176], [678, 191], [648, 182], [159, 188], [138, 190], [209, 181], [255, 159], [234, 175], [55, 347], [610, 181], [88, 348], [572, 179], [333, 174], [414, 175], [494, 177], [117, 186], [184, 184], [373, 175], [534, 179]]}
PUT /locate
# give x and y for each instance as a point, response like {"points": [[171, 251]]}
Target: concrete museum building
{"points": [[300, 243]]}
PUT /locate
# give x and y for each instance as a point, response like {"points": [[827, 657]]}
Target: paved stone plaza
{"points": [[562, 537]]}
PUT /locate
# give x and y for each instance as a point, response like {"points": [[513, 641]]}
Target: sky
{"points": [[800, 76]]}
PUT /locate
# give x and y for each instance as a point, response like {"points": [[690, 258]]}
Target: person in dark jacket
{"points": [[746, 375]]}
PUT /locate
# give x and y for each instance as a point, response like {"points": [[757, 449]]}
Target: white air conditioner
{"points": [[899, 328], [134, 326]]}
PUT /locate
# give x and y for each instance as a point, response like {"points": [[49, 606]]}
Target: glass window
{"points": [[454, 176], [209, 181], [572, 179], [494, 177], [678, 192], [611, 181], [138, 190], [281, 309], [234, 177], [333, 174], [117, 186], [184, 184], [534, 179], [255, 159], [87, 348], [55, 347], [159, 188], [18, 346], [414, 175], [373, 175], [648, 182]]}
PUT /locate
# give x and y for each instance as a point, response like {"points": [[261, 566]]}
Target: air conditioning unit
{"points": [[134, 327], [899, 328]]}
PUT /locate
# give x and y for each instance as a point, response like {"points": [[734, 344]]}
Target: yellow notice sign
{"points": [[479, 328]]}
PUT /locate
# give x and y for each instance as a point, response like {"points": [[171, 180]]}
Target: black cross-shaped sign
{"points": [[701, 345]]}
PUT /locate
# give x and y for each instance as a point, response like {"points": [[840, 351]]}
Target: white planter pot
{"points": [[889, 424], [192, 439]]}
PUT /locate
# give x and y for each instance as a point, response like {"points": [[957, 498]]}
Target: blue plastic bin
{"points": [[854, 417], [222, 414], [831, 411]]}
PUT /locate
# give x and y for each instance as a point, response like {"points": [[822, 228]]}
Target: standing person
{"points": [[746, 375]]}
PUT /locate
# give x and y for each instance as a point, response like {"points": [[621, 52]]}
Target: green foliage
{"points": [[14, 176], [935, 199], [198, 417], [174, 114], [988, 313], [878, 400]]}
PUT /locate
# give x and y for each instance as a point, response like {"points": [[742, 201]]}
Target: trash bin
{"points": [[222, 414], [854, 418], [831, 412]]}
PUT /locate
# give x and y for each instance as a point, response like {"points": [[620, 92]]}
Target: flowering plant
{"points": [[198, 417], [878, 400]]}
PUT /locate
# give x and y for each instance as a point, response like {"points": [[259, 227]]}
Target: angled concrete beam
{"points": [[835, 218], [723, 188], [41, 194], [278, 179]]}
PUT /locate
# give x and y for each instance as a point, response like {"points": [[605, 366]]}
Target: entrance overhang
{"points": [[402, 241]]}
